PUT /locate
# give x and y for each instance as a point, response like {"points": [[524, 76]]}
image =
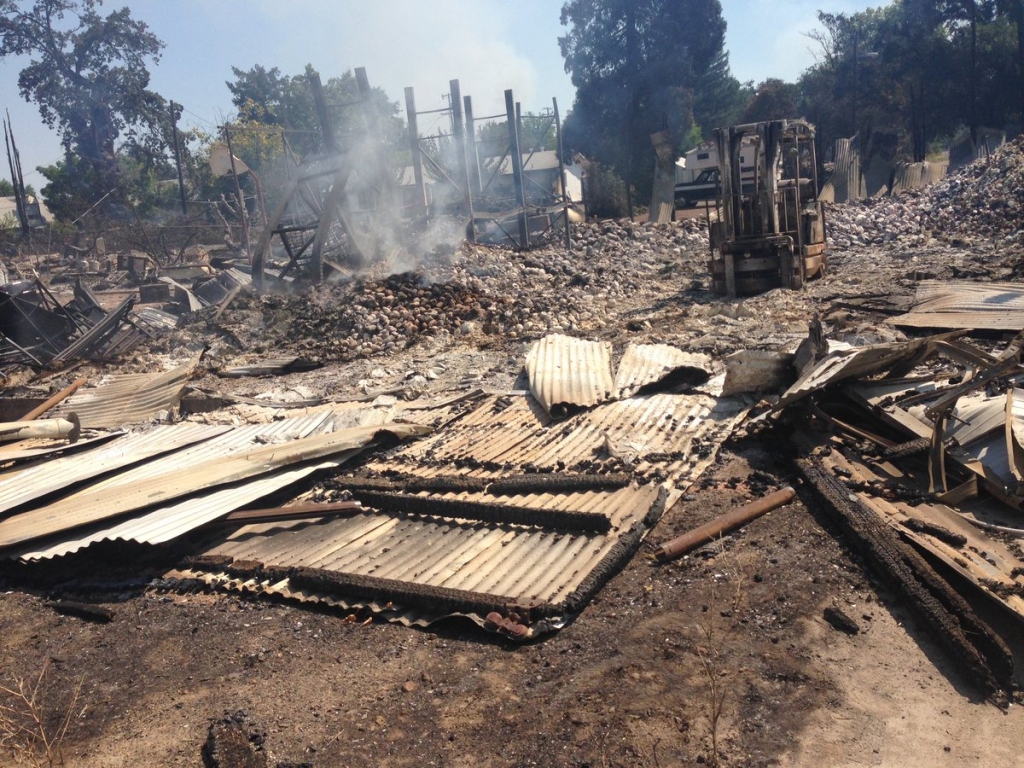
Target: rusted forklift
{"points": [[769, 227]]}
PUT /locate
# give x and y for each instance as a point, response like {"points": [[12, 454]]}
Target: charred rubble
{"points": [[617, 377]]}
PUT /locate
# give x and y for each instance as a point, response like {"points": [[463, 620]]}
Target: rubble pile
{"points": [[479, 290], [984, 199], [873, 221]]}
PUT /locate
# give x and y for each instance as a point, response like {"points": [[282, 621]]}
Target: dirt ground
{"points": [[720, 656]]}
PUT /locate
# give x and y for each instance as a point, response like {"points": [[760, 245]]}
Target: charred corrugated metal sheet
{"points": [[986, 562], [447, 565], [21, 486], [849, 364], [643, 365], [276, 586], [506, 564], [177, 481], [167, 522], [847, 180], [128, 399], [665, 430], [567, 374], [917, 175], [956, 304]]}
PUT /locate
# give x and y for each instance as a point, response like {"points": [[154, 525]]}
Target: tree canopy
{"points": [[643, 66], [267, 98], [88, 75], [917, 71]]}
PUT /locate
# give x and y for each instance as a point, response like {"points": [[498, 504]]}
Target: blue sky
{"points": [[489, 45]]}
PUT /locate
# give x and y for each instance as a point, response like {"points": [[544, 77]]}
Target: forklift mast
{"points": [[769, 231]]}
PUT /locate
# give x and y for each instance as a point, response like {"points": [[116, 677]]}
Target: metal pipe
{"points": [[42, 428], [727, 522], [60, 397]]}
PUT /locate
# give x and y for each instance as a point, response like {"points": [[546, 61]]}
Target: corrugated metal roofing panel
{"points": [[516, 564], [178, 519], [847, 364], [407, 616], [166, 523], [965, 305], [23, 485], [658, 429], [128, 399], [503, 562], [232, 442], [644, 364], [23, 450], [565, 372], [178, 481]]}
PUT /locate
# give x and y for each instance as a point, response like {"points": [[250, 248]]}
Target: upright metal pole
{"points": [[363, 83], [320, 103], [417, 158], [561, 176], [474, 158], [517, 168], [519, 130], [458, 130], [238, 193], [177, 160], [384, 200]]}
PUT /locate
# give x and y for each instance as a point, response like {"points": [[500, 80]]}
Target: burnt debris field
{"points": [[422, 516]]}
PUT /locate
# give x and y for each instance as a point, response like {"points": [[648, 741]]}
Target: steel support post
{"points": [[417, 156], [459, 131], [561, 176], [517, 168], [476, 183]]}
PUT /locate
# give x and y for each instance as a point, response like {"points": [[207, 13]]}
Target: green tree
{"points": [[774, 99], [87, 74], [538, 133], [643, 66], [267, 98]]}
